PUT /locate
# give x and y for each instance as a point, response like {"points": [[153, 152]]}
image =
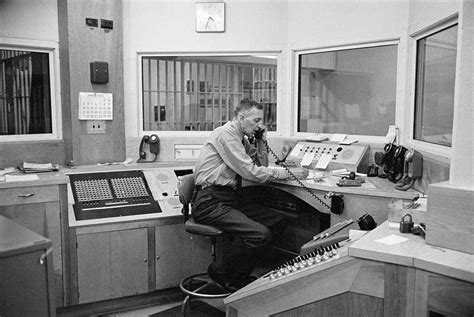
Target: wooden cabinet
{"points": [[25, 272], [178, 255], [114, 260], [38, 208], [112, 264]]}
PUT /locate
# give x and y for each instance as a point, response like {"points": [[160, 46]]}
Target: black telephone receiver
{"points": [[154, 147], [259, 133]]}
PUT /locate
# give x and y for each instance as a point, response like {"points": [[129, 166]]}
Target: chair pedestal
{"points": [[201, 286]]}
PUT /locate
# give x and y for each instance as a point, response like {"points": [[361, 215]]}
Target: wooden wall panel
{"points": [[79, 46], [347, 304]]}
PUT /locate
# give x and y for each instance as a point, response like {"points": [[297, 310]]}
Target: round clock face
{"points": [[210, 16]]}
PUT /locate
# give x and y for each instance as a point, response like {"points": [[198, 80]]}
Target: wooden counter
{"points": [[369, 278], [413, 252]]}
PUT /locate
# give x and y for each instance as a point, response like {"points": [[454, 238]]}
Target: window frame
{"points": [[375, 43], [193, 133], [52, 49], [414, 36]]}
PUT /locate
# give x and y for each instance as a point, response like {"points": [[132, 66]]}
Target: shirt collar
{"points": [[235, 125]]}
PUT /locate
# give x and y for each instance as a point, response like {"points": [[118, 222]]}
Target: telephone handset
{"points": [[337, 203], [154, 147], [258, 135]]}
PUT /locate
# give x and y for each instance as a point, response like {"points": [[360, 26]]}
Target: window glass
{"points": [[199, 93], [25, 93], [348, 91], [434, 93]]}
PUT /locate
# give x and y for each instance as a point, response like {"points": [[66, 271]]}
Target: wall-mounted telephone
{"points": [[153, 144], [391, 161], [412, 170]]}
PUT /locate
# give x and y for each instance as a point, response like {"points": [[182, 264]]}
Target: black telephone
{"points": [[259, 133], [394, 161], [154, 147]]}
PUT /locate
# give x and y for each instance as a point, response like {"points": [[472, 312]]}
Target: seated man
{"points": [[227, 158]]}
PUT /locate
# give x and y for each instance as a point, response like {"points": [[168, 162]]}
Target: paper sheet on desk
{"points": [[391, 239], [20, 178]]}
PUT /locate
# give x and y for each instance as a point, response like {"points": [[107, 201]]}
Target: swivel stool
{"points": [[198, 286]]}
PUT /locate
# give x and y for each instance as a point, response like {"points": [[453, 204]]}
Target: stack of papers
{"points": [[37, 168]]}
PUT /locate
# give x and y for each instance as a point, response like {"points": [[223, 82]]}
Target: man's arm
{"points": [[257, 151]]}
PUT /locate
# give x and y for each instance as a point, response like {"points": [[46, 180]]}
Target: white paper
{"points": [[307, 159], [336, 137], [391, 239], [297, 149], [95, 106], [391, 134], [21, 178], [323, 161]]}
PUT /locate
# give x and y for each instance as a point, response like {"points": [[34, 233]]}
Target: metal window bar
{"points": [[198, 95]]}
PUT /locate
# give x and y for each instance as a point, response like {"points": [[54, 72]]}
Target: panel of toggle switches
{"points": [[302, 262]]}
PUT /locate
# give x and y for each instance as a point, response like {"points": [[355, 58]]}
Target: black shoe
{"points": [[225, 281], [219, 277], [241, 282]]}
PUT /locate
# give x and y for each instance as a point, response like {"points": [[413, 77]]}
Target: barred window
{"points": [[25, 92], [200, 93]]}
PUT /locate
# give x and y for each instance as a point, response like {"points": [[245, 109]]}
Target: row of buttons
{"points": [[304, 261]]}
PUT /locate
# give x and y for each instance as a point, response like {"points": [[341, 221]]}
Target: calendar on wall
{"points": [[95, 106]]}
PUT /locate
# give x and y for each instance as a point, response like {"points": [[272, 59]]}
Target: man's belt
{"points": [[215, 187]]}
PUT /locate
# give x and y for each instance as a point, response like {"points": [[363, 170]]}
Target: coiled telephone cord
{"points": [[294, 176]]}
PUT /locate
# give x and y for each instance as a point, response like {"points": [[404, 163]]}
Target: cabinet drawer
{"points": [[28, 195]]}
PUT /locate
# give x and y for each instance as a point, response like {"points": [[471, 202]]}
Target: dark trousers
{"points": [[250, 225]]}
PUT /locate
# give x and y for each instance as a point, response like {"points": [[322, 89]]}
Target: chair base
{"points": [[200, 286]]}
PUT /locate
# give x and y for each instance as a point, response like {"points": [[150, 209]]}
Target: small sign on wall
{"points": [[95, 106]]}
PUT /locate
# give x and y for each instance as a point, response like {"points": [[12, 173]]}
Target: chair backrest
{"points": [[185, 193]]}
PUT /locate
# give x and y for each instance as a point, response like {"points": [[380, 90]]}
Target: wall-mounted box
{"points": [[99, 72]]}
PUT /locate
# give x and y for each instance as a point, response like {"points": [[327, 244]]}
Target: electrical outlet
{"points": [[95, 127]]}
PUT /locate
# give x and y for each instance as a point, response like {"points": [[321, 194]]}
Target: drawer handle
{"points": [[44, 255], [26, 195]]}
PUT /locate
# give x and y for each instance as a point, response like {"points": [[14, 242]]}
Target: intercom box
{"points": [[99, 72], [450, 218], [353, 157]]}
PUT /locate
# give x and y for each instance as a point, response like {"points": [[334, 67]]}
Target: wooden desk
{"points": [[425, 278], [369, 278], [373, 197]]}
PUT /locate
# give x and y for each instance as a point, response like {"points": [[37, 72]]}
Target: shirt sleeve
{"points": [[234, 155]]}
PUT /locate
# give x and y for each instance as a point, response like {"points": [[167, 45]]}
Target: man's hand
{"points": [[300, 173]]}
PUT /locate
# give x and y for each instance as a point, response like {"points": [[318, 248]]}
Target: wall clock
{"points": [[210, 16]]}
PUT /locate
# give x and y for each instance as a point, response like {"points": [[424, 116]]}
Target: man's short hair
{"points": [[245, 105]]}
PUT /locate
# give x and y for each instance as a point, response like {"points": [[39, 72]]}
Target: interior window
{"points": [[25, 92], [434, 93], [199, 93], [348, 91]]}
